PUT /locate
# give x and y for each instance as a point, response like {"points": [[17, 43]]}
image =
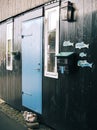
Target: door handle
{"points": [[37, 69], [27, 93]]}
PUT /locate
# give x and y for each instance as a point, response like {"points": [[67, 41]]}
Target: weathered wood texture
{"points": [[69, 102], [9, 8], [10, 81], [72, 98]]}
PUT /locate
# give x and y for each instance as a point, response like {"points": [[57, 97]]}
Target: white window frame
{"points": [[47, 12], [9, 48]]}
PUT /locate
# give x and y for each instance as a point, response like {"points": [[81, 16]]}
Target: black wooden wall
{"points": [[71, 100], [10, 81]]}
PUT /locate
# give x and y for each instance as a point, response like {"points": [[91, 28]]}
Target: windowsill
{"points": [[51, 75]]}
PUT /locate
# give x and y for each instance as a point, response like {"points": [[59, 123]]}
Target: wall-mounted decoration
{"points": [[67, 11], [82, 54], [68, 43], [84, 63], [81, 45]]}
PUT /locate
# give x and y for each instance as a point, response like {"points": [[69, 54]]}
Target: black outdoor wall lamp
{"points": [[67, 11]]}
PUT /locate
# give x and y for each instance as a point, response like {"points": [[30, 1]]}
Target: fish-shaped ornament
{"points": [[81, 45], [84, 63], [68, 43], [82, 54]]}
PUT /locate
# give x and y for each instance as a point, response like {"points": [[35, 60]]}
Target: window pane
{"points": [[52, 20], [51, 41], [9, 52], [9, 46], [51, 63], [9, 60], [9, 43]]}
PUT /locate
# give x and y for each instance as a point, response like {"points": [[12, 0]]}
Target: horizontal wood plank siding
{"points": [[9, 8]]}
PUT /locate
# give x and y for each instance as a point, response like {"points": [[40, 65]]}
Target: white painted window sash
{"points": [[9, 45], [46, 72]]}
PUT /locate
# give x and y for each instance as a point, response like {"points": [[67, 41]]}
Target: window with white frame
{"points": [[9, 46], [51, 41]]}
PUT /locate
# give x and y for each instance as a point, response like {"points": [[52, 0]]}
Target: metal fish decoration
{"points": [[81, 45], [82, 54], [68, 43], [84, 63]]}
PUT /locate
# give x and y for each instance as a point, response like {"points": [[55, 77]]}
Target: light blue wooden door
{"points": [[32, 64]]}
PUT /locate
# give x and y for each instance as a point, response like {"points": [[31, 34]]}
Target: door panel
{"points": [[32, 64]]}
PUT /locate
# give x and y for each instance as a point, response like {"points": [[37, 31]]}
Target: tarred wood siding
{"points": [[69, 102]]}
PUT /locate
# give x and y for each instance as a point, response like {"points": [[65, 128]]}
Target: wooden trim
{"points": [[33, 14]]}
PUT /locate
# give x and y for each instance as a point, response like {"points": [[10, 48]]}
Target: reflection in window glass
{"points": [[52, 20], [51, 41], [9, 52], [51, 63], [51, 51]]}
